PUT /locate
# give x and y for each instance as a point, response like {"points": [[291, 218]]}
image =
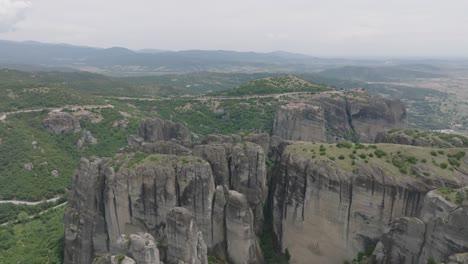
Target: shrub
{"points": [[344, 145], [443, 165], [352, 156], [341, 157], [412, 159], [332, 158], [380, 153], [433, 153], [459, 198], [441, 152], [322, 148], [424, 160], [362, 156], [454, 162]]}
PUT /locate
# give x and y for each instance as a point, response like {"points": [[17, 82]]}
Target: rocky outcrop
{"points": [[337, 117], [219, 223], [185, 242], [403, 244], [140, 247], [242, 244], [84, 220], [248, 176], [61, 122], [216, 156], [156, 129], [86, 138], [461, 258], [439, 232], [326, 211]]}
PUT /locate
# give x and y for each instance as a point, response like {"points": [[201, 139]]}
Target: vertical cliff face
{"points": [[248, 176], [85, 232], [337, 117], [326, 211], [136, 190], [439, 232], [242, 245], [156, 129], [185, 242]]}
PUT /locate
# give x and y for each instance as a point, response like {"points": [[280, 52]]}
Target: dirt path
{"points": [[19, 202], [203, 98], [40, 213], [4, 116]]}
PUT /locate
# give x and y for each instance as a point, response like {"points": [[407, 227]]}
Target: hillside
{"points": [[274, 85]]}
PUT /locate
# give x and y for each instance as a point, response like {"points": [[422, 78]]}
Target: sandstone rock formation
{"points": [[337, 117], [156, 129], [140, 247], [439, 232], [86, 138], [248, 176], [324, 213], [242, 244], [323, 210], [185, 242], [61, 122]]}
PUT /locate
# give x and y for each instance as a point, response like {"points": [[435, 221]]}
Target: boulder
{"points": [[61, 122]]}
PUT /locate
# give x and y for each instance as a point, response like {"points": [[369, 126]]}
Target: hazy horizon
{"points": [[361, 29]]}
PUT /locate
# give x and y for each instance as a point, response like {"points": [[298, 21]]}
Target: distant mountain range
{"points": [[119, 60]]}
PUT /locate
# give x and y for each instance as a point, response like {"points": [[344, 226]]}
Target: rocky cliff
{"points": [[137, 190], [327, 201], [338, 116], [327, 208], [439, 231], [61, 122]]}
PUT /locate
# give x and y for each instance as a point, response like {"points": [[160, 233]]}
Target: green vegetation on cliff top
{"points": [[403, 160]]}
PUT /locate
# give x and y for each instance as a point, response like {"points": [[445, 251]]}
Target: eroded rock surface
{"points": [[440, 232], [185, 242], [156, 129], [140, 247], [337, 117], [61, 122], [325, 213], [242, 244]]}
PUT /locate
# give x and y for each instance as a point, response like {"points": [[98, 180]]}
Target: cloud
{"points": [[11, 12]]}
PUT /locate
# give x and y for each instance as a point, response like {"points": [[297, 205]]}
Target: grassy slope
{"points": [[394, 159]]}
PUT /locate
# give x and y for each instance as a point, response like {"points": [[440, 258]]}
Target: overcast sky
{"points": [[316, 27]]}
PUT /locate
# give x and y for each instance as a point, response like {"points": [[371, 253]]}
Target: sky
{"points": [[317, 27]]}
